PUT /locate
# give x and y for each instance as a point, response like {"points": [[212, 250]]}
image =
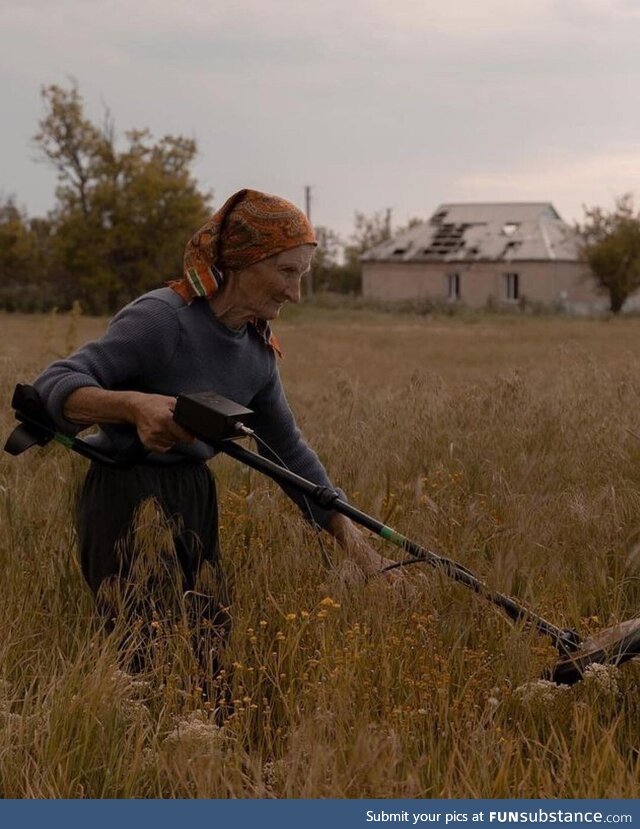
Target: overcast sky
{"points": [[375, 103]]}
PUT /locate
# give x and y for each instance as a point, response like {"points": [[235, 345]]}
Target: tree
{"points": [[369, 231], [25, 259], [72, 145], [610, 246], [15, 248], [122, 216], [326, 268]]}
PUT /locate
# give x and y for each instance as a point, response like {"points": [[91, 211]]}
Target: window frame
{"points": [[453, 279], [512, 286]]}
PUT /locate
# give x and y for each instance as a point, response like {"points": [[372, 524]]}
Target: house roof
{"points": [[503, 231]]}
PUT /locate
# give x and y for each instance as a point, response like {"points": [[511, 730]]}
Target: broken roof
{"points": [[502, 231]]}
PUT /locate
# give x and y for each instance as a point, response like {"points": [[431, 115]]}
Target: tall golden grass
{"points": [[512, 445]]}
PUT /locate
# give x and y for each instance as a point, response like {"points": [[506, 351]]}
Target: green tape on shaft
{"points": [[391, 535], [65, 440]]}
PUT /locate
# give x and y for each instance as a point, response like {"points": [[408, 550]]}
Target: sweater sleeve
{"points": [[139, 341], [275, 425]]}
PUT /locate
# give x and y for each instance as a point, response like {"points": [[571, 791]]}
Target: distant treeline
{"points": [[123, 213]]}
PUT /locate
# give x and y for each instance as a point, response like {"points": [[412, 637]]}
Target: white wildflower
{"points": [[603, 679], [195, 734], [540, 694]]}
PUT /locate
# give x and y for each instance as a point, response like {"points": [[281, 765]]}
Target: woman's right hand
{"points": [[152, 415]]}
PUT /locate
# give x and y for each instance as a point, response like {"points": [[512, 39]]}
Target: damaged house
{"points": [[483, 253]]}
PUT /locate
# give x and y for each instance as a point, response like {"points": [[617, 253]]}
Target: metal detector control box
{"points": [[211, 417]]}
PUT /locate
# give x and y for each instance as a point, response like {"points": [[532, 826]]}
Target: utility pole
{"points": [[307, 208], [307, 201]]}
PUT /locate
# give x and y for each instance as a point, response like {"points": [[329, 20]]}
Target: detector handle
{"points": [[37, 428]]}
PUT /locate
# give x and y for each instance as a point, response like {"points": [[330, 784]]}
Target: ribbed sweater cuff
{"points": [[58, 395]]}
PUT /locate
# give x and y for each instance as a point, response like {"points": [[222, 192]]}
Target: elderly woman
{"points": [[208, 331]]}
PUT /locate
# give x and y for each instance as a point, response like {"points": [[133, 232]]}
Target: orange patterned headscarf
{"points": [[250, 226]]}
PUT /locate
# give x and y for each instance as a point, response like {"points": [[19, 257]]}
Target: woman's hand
{"points": [[152, 415], [359, 550]]}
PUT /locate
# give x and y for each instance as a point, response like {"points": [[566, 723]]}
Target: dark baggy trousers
{"points": [[149, 551]]}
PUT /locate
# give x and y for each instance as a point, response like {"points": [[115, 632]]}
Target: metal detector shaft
{"points": [[330, 499], [36, 427]]}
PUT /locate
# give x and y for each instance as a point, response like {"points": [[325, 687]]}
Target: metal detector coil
{"points": [[611, 646]]}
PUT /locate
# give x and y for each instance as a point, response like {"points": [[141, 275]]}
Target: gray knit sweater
{"points": [[159, 344]]}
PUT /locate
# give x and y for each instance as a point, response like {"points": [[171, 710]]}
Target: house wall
{"points": [[545, 282]]}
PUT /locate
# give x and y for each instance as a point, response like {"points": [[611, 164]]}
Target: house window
{"points": [[453, 286], [512, 286]]}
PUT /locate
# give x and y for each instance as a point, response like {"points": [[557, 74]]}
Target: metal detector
{"points": [[218, 422]]}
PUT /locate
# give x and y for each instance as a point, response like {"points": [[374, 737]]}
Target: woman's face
{"points": [[267, 285]]}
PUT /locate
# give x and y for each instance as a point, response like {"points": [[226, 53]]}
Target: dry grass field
{"points": [[510, 444]]}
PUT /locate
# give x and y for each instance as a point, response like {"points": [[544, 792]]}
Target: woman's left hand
{"points": [[360, 551]]}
